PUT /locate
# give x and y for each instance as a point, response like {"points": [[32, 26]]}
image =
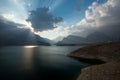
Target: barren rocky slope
{"points": [[109, 52]]}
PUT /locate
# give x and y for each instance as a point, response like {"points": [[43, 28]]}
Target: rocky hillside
{"points": [[106, 52], [110, 53], [108, 71]]}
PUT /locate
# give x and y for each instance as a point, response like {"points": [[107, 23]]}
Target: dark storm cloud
{"points": [[112, 31], [42, 20]]}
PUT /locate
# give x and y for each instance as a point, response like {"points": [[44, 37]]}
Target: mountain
{"points": [[21, 38], [95, 37], [10, 34], [72, 40], [60, 38], [49, 41]]}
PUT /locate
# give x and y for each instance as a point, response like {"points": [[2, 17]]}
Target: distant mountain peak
{"points": [[96, 37]]}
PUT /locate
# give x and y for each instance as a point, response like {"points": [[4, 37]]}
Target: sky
{"points": [[59, 18]]}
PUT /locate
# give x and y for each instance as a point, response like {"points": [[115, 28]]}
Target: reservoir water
{"points": [[39, 63]]}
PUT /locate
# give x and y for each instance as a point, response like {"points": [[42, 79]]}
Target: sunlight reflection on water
{"points": [[30, 46], [27, 56]]}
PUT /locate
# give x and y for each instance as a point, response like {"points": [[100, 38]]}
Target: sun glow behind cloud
{"points": [[12, 17], [50, 34], [9, 16]]}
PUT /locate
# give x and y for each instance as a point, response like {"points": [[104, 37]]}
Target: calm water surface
{"points": [[38, 63]]}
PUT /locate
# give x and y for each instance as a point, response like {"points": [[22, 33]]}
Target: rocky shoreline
{"points": [[109, 53]]}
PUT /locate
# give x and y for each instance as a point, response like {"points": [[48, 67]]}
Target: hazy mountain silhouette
{"points": [[95, 37], [10, 34], [98, 37], [59, 38], [72, 40]]}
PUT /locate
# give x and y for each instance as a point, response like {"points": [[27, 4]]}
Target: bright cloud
{"points": [[52, 34], [8, 16], [100, 15], [96, 16]]}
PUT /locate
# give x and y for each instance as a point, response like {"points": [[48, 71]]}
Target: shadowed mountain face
{"points": [[72, 40], [10, 34], [95, 37], [98, 37]]}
